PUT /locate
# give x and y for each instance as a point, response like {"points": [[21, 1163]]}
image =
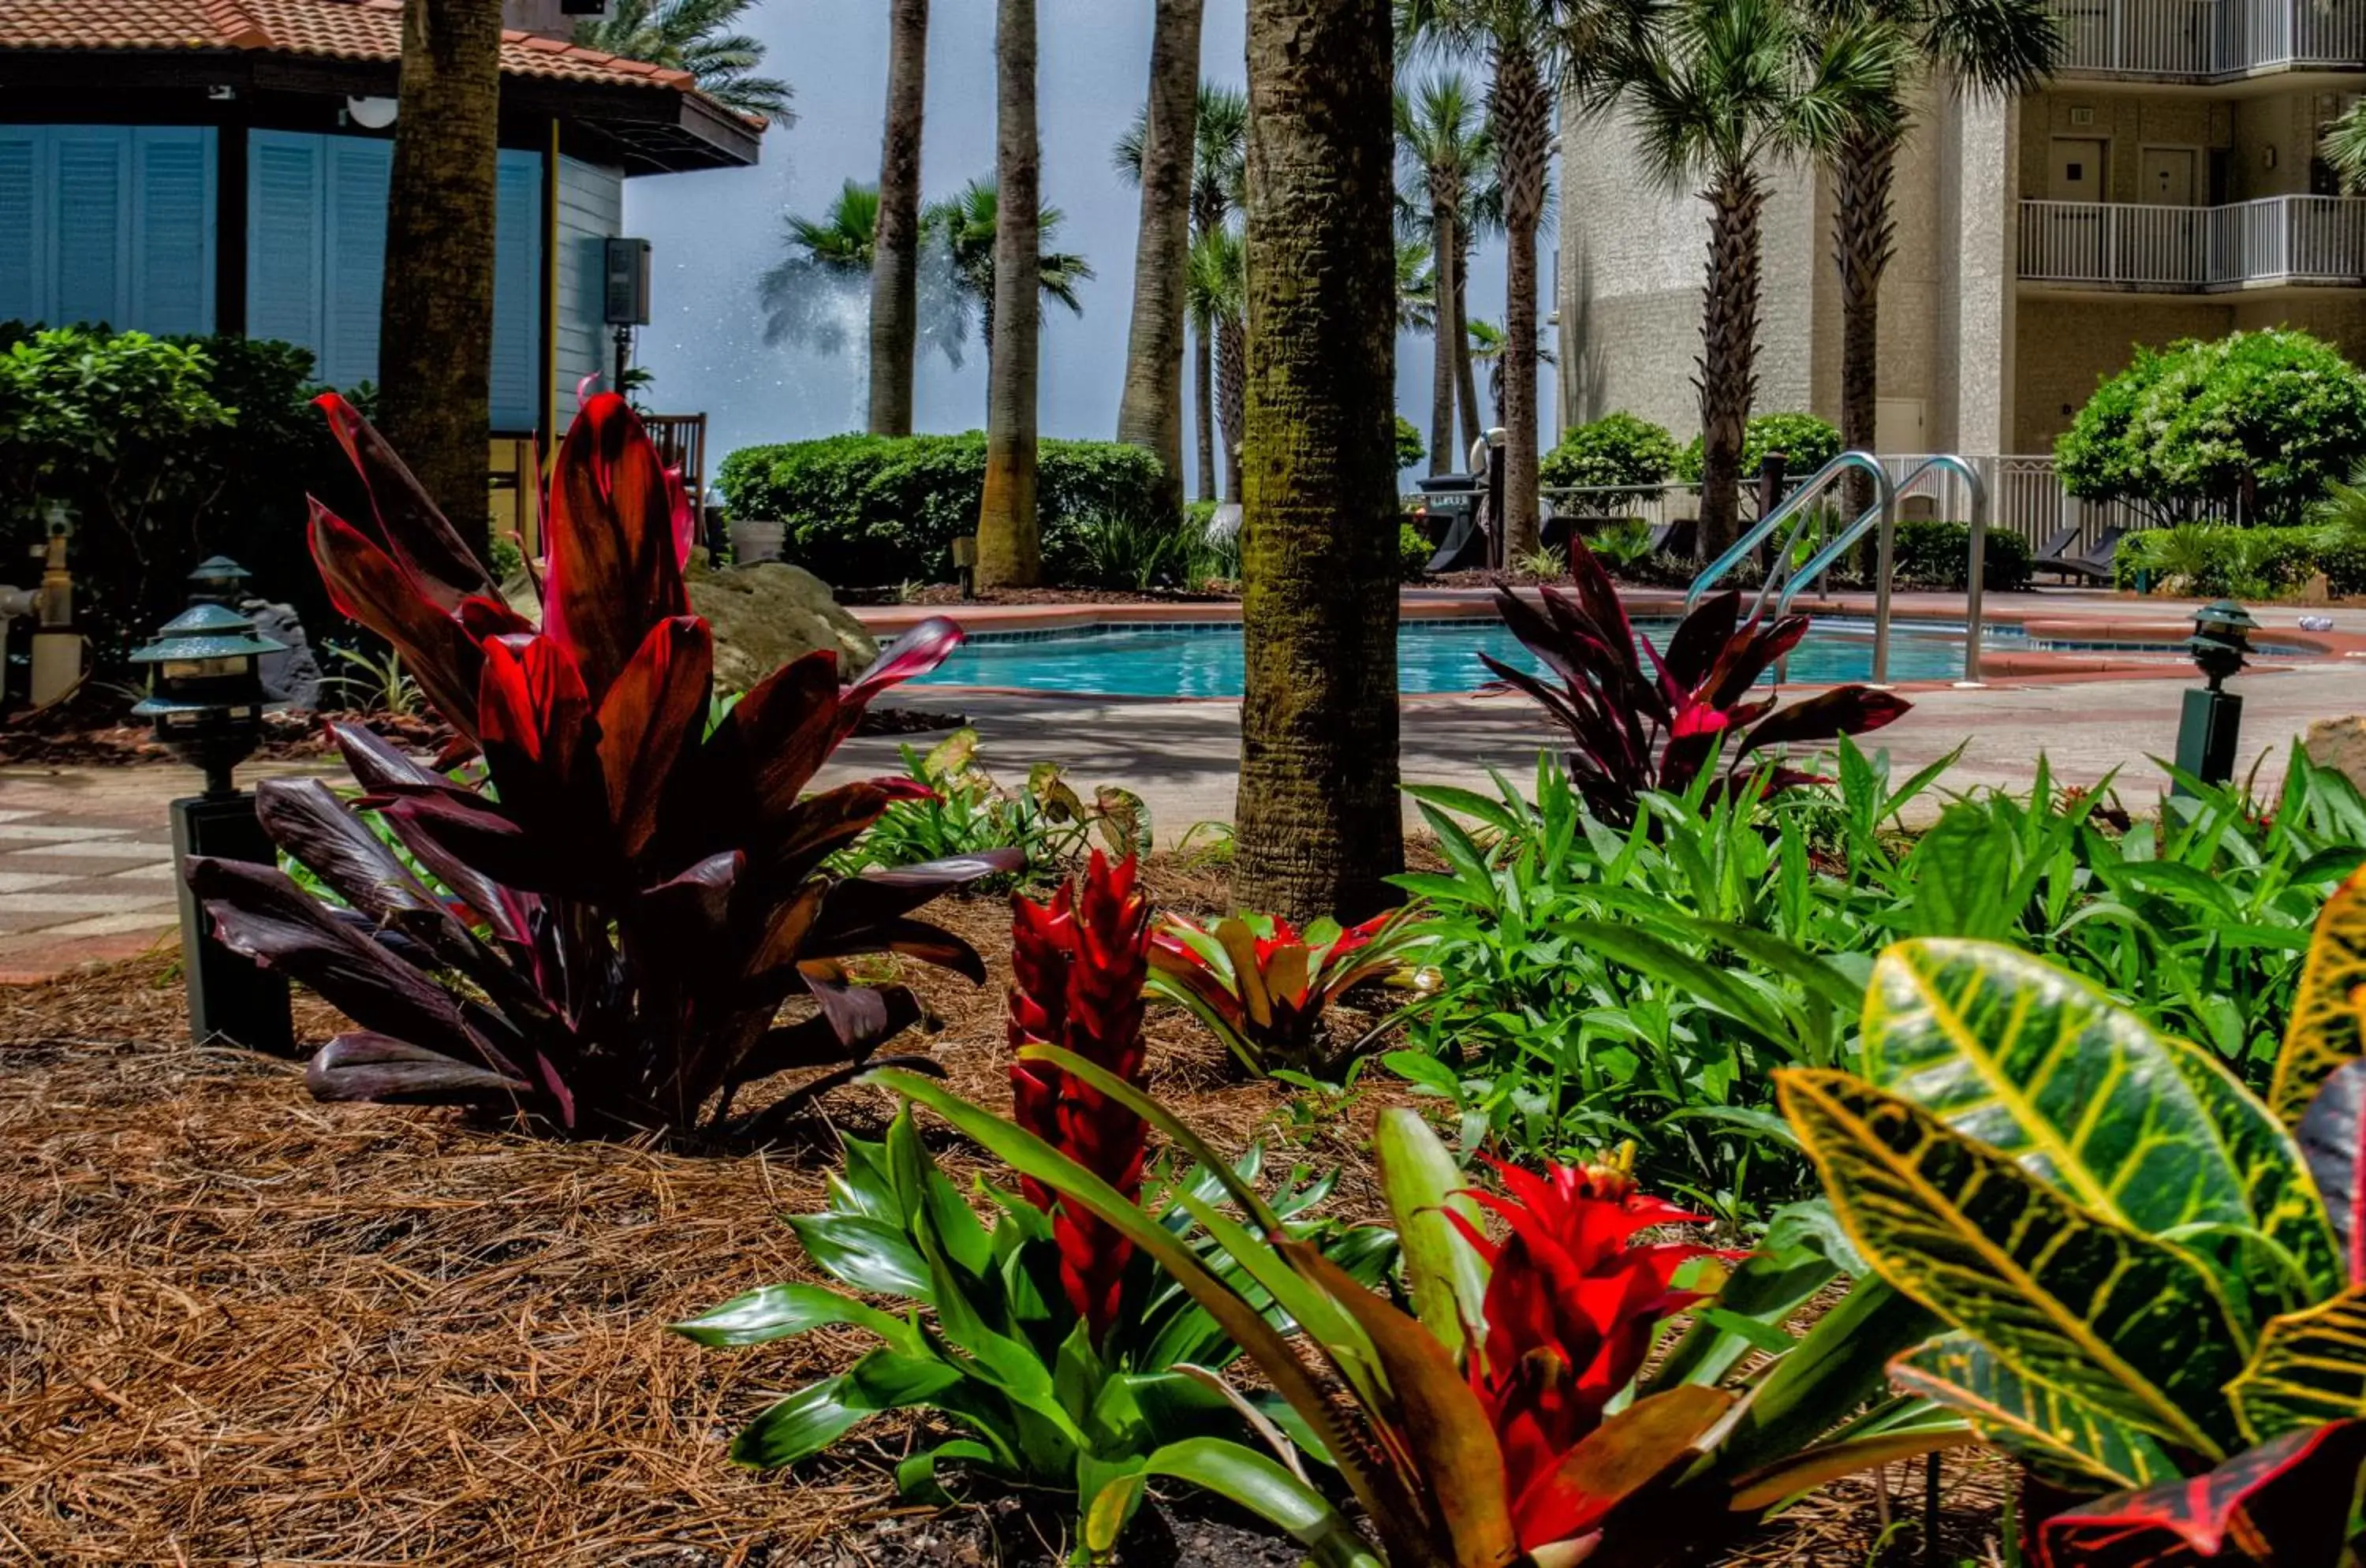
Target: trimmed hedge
{"points": [[1806, 441], [1934, 555], [1617, 451], [864, 510]]}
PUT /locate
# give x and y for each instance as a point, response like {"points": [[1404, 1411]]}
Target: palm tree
{"points": [[1010, 546], [1997, 48], [2345, 146], [1150, 407], [1722, 89], [896, 260], [687, 35], [1319, 822], [435, 312], [1486, 348], [1220, 135], [1219, 311], [804, 293], [1446, 155], [1416, 286], [967, 224]]}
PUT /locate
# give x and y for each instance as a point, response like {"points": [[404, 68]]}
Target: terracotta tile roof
{"points": [[338, 29]]}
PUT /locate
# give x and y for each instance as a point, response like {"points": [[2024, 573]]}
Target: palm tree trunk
{"points": [[435, 316], [1232, 395], [1203, 369], [1009, 546], [1522, 109], [894, 266], [1862, 236], [1728, 361], [1466, 375], [1318, 819], [1150, 411], [1445, 250]]}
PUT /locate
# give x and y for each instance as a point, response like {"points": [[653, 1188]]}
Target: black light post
{"points": [[207, 704], [2210, 728]]}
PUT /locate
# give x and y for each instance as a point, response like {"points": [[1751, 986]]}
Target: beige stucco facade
{"points": [[1998, 317]]}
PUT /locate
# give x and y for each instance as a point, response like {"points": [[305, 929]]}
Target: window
{"points": [[107, 223]]}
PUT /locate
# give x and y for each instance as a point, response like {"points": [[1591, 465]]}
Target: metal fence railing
{"points": [[2280, 239], [2210, 40]]}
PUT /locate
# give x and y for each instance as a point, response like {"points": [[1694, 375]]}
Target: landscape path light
{"points": [[2210, 728]]}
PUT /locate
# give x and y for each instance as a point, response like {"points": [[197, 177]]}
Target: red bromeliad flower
{"points": [[1572, 1306], [1078, 966], [1262, 986]]}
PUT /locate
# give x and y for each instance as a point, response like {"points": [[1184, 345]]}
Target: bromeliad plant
{"points": [[1055, 1342], [961, 810], [601, 933], [1264, 988], [1632, 730], [2154, 1281]]}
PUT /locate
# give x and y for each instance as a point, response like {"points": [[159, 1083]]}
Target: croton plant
{"points": [[600, 928], [1633, 730], [2152, 1282]]}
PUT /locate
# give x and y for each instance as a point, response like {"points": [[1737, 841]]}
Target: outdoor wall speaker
{"points": [[628, 282], [583, 7]]}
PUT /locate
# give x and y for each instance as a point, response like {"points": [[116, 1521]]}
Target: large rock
{"points": [[770, 612], [2339, 744]]}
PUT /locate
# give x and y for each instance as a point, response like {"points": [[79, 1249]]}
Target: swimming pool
{"points": [[1203, 658]]}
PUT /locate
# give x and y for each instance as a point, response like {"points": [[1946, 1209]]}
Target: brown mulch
{"points": [[236, 1326]]}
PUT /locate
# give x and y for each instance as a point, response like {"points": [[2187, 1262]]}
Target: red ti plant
{"points": [[630, 902], [1632, 731], [1078, 964], [1263, 988]]}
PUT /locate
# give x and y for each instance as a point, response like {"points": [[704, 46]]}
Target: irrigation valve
{"points": [[2210, 727], [56, 647]]}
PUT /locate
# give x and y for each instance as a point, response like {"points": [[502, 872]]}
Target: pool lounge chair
{"points": [[2094, 563]]}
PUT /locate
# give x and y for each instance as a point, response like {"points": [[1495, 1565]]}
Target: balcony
{"points": [[2210, 41], [2303, 240]]}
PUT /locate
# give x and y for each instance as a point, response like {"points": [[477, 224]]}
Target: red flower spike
{"points": [[1571, 1310], [1078, 965]]}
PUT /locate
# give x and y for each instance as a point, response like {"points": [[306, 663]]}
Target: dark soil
{"points": [[1188, 1530]]}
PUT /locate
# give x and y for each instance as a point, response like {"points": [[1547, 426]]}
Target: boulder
{"points": [[2339, 744], [770, 612]]}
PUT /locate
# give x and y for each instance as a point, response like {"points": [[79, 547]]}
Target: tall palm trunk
{"points": [[1521, 110], [435, 315], [1465, 373], [1203, 394], [1150, 413], [1009, 546], [896, 247], [1728, 361], [1446, 250], [1319, 824], [1863, 238], [1232, 395]]}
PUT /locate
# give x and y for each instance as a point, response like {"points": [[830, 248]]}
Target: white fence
{"points": [[2210, 39], [2280, 239]]}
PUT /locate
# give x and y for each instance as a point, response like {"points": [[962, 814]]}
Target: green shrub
{"points": [[883, 509], [1617, 452], [166, 451], [1806, 441], [2213, 561], [2176, 432], [1410, 446], [1934, 554], [1414, 550]]}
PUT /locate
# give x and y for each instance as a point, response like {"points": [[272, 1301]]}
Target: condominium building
{"points": [[2166, 183]]}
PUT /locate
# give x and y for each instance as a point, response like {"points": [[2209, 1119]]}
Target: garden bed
{"points": [[238, 1324]]}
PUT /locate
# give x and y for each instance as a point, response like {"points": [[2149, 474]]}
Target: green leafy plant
{"points": [[1616, 457], [2132, 1254], [2178, 432], [1547, 563], [377, 684], [1806, 441], [2219, 560], [1930, 553], [1264, 988], [1410, 448], [1413, 551], [959, 810]]}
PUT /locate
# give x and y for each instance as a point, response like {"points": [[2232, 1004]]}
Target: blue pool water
{"points": [[1148, 659]]}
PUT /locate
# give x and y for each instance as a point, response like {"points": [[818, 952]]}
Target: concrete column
{"points": [[1977, 273]]}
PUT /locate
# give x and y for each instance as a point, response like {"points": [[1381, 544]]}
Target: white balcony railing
{"points": [[2211, 39], [2281, 238]]}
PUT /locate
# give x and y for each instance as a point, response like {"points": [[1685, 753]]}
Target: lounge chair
{"points": [[2093, 564], [1465, 549]]}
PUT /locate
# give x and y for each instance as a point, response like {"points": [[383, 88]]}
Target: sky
{"points": [[713, 233]]}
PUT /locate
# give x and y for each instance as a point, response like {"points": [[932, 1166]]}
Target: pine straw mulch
{"points": [[239, 1326]]}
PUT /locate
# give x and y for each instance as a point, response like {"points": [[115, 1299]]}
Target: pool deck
{"points": [[2090, 715]]}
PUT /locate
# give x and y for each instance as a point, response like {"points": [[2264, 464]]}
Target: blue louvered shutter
{"points": [[517, 292], [24, 228], [90, 196], [284, 228], [173, 231], [359, 173]]}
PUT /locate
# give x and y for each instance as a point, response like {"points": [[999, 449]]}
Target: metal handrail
{"points": [[1821, 561], [1791, 506]]}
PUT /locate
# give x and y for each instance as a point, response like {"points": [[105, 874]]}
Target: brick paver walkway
{"points": [[85, 874]]}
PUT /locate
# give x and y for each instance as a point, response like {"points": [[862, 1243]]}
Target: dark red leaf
{"points": [[1701, 635], [1750, 654], [656, 707], [365, 584], [534, 719], [305, 817], [2333, 1140], [611, 572], [381, 767], [2285, 1503], [409, 528], [363, 1065], [863, 1016], [916, 652], [1843, 710]]}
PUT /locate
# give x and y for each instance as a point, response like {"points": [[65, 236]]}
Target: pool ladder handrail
{"points": [[1821, 561], [1794, 510]]}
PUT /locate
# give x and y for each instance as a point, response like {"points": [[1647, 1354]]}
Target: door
{"points": [[2069, 241], [1898, 426], [2079, 168], [2166, 176]]}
